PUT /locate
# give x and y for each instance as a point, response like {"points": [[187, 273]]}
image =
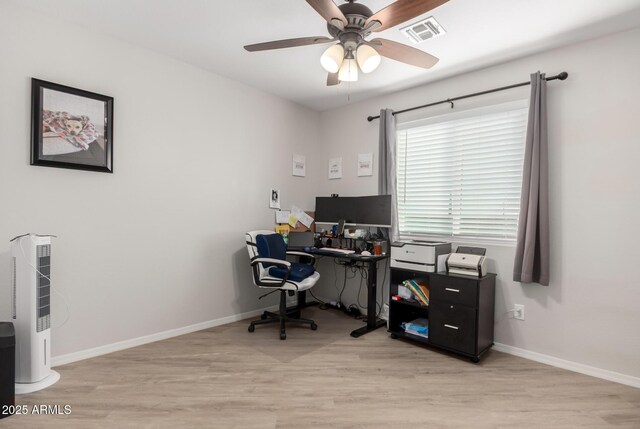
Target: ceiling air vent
{"points": [[422, 30]]}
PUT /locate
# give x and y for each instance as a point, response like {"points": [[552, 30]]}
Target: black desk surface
{"points": [[351, 256]]}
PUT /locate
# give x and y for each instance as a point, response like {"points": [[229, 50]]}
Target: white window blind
{"points": [[459, 175]]}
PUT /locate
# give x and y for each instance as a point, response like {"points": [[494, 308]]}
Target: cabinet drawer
{"points": [[453, 326], [454, 290]]}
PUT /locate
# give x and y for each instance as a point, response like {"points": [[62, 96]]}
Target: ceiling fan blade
{"points": [[332, 79], [330, 12], [403, 53], [399, 12], [288, 43]]}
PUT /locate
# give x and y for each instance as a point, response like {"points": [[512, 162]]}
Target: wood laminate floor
{"points": [[226, 377]]}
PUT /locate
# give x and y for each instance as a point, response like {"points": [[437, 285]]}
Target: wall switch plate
{"points": [[518, 311]]}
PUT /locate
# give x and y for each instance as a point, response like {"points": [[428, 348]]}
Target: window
{"points": [[459, 175]]}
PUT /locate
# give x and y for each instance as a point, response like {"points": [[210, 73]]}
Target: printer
{"points": [[418, 255], [466, 264]]}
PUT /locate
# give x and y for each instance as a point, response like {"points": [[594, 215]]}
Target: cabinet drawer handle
{"points": [[452, 290], [450, 326]]}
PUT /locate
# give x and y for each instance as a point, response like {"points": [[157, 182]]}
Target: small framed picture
{"points": [[335, 168], [365, 164], [274, 199], [299, 165], [71, 128]]}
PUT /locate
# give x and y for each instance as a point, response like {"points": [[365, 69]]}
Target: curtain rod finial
{"points": [[369, 118], [563, 75]]}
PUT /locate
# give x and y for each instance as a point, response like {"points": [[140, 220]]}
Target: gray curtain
{"points": [[387, 166], [532, 249]]}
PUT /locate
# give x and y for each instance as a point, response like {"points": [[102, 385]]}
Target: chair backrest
{"points": [[251, 239], [271, 246]]}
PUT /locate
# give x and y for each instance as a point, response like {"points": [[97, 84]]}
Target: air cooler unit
{"points": [[31, 259]]}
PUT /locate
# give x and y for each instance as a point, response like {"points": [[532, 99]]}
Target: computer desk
{"points": [[370, 262]]}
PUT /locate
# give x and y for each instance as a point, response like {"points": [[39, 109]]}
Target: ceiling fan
{"points": [[350, 24]]}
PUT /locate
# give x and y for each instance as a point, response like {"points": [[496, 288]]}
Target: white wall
{"points": [[589, 313], [159, 244]]}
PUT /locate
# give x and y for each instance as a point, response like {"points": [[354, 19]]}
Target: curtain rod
{"points": [[560, 76]]}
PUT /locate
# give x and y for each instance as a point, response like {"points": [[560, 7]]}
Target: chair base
{"points": [[281, 317]]}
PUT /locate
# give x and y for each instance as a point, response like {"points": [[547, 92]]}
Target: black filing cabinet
{"points": [[7, 368], [460, 312]]}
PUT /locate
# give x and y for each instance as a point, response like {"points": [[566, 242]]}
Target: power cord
{"points": [[351, 310]]}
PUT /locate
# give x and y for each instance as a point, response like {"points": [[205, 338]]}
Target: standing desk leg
{"points": [[373, 322]]}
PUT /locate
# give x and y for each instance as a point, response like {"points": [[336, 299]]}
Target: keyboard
{"points": [[340, 251]]}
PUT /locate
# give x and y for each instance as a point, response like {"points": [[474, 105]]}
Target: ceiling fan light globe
{"points": [[331, 59], [368, 58], [348, 71]]}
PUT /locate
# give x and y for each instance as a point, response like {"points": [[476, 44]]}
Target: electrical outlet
{"points": [[518, 311]]}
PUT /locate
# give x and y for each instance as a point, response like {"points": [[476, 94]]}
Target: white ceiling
{"points": [[211, 34]]}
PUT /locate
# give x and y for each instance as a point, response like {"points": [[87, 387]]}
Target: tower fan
{"points": [[31, 311]]}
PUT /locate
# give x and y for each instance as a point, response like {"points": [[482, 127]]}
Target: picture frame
{"points": [[71, 128], [335, 168], [299, 166], [274, 198], [365, 164]]}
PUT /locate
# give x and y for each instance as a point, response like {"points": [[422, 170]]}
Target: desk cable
{"points": [[351, 310]]}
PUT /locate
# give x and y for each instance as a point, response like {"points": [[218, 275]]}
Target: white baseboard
{"points": [[571, 366], [134, 342]]}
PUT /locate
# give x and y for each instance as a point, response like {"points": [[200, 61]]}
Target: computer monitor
{"points": [[374, 210], [332, 209]]}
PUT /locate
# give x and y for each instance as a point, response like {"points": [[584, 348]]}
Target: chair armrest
{"points": [[303, 254], [269, 283], [279, 262]]}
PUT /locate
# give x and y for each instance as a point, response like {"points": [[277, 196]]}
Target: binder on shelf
{"points": [[419, 289]]}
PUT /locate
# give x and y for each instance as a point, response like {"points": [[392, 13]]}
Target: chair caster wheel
{"points": [[394, 336], [475, 359], [283, 336], [252, 328], [314, 327]]}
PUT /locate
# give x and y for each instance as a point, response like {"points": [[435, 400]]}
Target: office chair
{"points": [[271, 270]]}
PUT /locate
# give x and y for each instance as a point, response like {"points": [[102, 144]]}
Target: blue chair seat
{"points": [[298, 273]]}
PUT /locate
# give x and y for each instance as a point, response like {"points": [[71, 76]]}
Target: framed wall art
{"points": [[365, 164], [335, 168], [71, 128], [274, 199], [299, 165]]}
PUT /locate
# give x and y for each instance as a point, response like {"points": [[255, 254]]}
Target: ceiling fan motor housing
{"points": [[356, 14]]}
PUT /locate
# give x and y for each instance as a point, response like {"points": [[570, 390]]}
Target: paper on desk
{"points": [[282, 216], [301, 216], [293, 220]]}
